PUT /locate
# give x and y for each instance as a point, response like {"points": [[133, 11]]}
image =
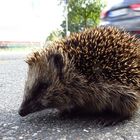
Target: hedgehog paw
{"points": [[111, 121]]}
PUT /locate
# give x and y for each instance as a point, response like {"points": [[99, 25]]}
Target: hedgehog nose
{"points": [[21, 112]]}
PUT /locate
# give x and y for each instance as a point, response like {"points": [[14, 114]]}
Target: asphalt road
{"points": [[47, 125]]}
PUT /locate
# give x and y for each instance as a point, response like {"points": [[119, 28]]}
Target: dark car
{"points": [[125, 15]]}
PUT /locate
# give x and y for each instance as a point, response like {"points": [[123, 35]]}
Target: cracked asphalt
{"points": [[47, 125]]}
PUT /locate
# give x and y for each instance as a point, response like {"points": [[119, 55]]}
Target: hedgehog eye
{"points": [[39, 88], [55, 94]]}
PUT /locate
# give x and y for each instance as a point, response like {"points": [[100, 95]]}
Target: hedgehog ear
{"points": [[58, 61]]}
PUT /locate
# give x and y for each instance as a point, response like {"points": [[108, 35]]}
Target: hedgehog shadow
{"points": [[106, 119], [103, 119]]}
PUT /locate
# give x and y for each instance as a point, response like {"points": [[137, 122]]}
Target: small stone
{"points": [[4, 124], [35, 134], [39, 131], [15, 127], [58, 130], [20, 137], [85, 130]]}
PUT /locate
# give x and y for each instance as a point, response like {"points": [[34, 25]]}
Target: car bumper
{"points": [[128, 24]]}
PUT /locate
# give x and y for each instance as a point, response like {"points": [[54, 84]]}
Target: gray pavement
{"points": [[47, 125]]}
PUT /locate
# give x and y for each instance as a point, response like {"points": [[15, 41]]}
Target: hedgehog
{"points": [[94, 71]]}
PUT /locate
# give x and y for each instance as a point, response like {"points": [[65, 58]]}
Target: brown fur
{"points": [[95, 70]]}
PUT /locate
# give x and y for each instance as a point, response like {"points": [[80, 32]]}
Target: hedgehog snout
{"points": [[22, 112], [30, 106]]}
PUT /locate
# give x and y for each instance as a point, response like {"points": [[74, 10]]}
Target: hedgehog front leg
{"points": [[118, 99]]}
